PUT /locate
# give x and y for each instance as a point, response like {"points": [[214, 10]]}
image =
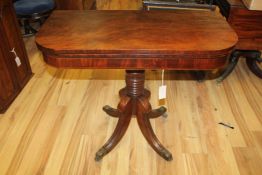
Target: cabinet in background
{"points": [[15, 70], [246, 23]]}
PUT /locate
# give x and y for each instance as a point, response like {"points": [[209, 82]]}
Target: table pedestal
{"points": [[134, 101]]}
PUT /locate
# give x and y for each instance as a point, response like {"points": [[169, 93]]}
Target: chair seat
{"points": [[29, 7]]}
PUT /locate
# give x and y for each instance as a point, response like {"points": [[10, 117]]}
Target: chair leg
{"points": [[20, 22], [42, 20], [28, 29]]}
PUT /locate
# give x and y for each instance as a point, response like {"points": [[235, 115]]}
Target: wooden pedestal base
{"points": [[134, 101], [253, 59]]}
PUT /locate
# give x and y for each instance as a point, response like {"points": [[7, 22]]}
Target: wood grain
{"points": [[246, 23], [55, 119], [118, 4], [12, 77], [131, 39], [57, 115], [136, 39], [74, 4]]}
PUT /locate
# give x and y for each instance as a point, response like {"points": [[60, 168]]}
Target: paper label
{"points": [[162, 92], [18, 61]]}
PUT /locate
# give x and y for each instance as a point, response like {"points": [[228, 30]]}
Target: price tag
{"points": [[18, 61], [162, 92], [162, 88]]}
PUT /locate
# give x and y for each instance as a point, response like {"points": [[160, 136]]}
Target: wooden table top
{"points": [[137, 39]]}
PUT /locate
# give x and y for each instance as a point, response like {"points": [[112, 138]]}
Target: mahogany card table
{"points": [[135, 41]]}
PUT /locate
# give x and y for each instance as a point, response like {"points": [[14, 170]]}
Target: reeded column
{"points": [[134, 101], [135, 80]]}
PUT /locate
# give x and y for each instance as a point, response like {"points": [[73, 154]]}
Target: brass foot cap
{"points": [[100, 154]]}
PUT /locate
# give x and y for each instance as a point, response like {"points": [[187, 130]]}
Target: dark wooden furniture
{"points": [[199, 75], [248, 26], [178, 4], [13, 75], [136, 40], [75, 4]]}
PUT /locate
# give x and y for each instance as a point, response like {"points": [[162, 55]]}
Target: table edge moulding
{"points": [[135, 41]]}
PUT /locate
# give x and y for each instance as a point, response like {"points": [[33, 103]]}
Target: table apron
{"points": [[168, 62]]}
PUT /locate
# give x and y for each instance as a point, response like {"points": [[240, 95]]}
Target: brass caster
{"points": [[100, 154], [111, 111], [166, 155]]}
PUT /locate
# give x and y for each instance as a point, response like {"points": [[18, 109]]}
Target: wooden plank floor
{"points": [[56, 125]]}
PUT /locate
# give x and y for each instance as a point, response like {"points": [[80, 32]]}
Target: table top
{"points": [[138, 39]]}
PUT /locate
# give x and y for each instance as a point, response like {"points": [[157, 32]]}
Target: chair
{"points": [[31, 11]]}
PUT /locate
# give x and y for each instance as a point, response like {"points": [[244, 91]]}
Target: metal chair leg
{"points": [[28, 29]]}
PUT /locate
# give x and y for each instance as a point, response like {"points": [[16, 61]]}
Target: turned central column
{"points": [[135, 80], [134, 101]]}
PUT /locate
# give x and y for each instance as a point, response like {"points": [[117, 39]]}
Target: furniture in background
{"points": [[178, 4], [248, 26], [135, 41], [75, 4], [253, 4], [182, 5], [15, 70], [31, 11], [246, 23]]}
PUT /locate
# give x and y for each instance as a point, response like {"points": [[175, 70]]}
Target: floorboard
{"points": [[56, 124]]}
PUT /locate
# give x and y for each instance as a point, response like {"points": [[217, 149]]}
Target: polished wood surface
{"points": [[33, 141], [131, 39], [134, 101], [119, 4], [50, 128], [75, 4], [246, 23], [13, 77], [136, 39]]}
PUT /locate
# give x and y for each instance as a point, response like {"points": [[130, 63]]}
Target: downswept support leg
{"points": [[252, 62], [144, 108], [125, 106], [233, 60], [134, 101], [253, 58]]}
